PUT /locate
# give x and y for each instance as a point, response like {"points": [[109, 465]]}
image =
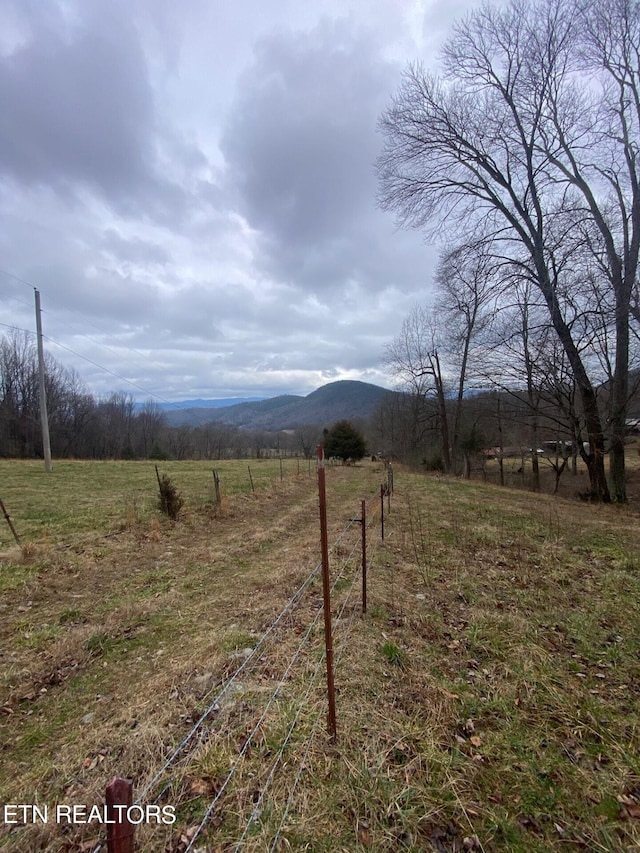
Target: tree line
{"points": [[82, 426], [521, 156]]}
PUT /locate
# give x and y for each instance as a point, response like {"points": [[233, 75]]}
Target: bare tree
{"points": [[146, 428], [307, 438], [400, 426], [477, 146], [19, 406], [466, 292], [591, 139], [414, 358]]}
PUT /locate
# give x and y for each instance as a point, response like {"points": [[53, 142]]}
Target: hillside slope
{"points": [[343, 399]]}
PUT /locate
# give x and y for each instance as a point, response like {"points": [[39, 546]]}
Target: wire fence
{"points": [[311, 683], [185, 752]]}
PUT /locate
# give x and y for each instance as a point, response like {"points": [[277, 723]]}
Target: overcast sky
{"points": [[191, 187]]}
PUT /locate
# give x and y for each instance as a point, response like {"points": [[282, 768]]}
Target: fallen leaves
{"points": [[91, 762], [630, 809], [448, 694]]}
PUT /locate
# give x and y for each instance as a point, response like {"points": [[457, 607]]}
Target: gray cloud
{"points": [[133, 250], [77, 106], [198, 184], [79, 114], [300, 146]]}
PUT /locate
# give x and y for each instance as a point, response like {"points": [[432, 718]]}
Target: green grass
{"points": [[490, 691], [81, 498]]}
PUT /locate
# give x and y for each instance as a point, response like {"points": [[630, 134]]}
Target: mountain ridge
{"points": [[345, 399]]}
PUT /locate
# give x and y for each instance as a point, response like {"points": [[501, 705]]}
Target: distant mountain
{"points": [[204, 404], [335, 401]]}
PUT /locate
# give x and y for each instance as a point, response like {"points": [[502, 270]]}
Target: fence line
{"points": [[302, 763], [244, 667], [247, 666], [213, 705], [256, 811], [270, 701]]}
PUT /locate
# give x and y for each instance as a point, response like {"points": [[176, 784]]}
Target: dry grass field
{"points": [[487, 701]]}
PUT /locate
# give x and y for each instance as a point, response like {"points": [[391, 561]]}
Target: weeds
{"points": [[394, 654], [170, 501], [420, 544]]}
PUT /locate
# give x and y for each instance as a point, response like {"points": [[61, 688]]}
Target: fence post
{"points": [[216, 480], [326, 592], [363, 521], [120, 831], [10, 523], [163, 499], [382, 509], [251, 478], [281, 474]]}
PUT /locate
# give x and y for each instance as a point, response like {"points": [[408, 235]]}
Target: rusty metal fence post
{"points": [[120, 831], [382, 510], [363, 522], [326, 592]]}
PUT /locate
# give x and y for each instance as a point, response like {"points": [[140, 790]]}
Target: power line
{"points": [[21, 301], [17, 328], [64, 322], [107, 370], [96, 343], [83, 335], [17, 278], [76, 331], [102, 367], [122, 378]]}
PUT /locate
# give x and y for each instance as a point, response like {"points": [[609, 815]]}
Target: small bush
{"points": [[171, 501]]}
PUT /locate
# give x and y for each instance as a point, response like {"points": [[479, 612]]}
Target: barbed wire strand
{"points": [[303, 762], [270, 701], [251, 735], [304, 640], [243, 666], [256, 811]]}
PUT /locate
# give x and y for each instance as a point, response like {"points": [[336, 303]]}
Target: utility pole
{"points": [[44, 418]]}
